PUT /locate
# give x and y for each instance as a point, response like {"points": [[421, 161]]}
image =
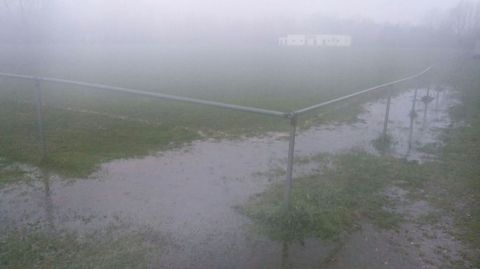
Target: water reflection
{"points": [[284, 263], [48, 204], [426, 101], [438, 89]]}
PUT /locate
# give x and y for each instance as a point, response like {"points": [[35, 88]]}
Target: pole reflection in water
{"points": [[285, 264], [426, 100], [387, 114], [437, 97], [49, 215]]}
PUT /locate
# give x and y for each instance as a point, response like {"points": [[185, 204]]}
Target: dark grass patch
{"points": [[383, 143], [11, 172], [37, 249]]}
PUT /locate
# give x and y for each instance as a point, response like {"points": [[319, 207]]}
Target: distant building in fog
{"points": [[301, 40]]}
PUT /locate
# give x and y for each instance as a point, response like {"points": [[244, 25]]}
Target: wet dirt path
{"points": [[190, 194]]}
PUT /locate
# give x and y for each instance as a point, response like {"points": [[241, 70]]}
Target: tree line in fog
{"points": [[54, 21]]}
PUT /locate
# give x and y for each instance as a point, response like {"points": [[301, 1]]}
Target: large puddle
{"points": [[190, 194]]}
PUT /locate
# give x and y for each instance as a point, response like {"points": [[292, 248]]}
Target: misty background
{"points": [[372, 23], [99, 178]]}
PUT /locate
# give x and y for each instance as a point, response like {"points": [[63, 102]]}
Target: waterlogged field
{"points": [[84, 127], [409, 201]]}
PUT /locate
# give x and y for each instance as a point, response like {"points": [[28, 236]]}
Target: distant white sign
{"points": [[301, 40]]}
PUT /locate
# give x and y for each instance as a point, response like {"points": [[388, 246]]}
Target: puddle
{"points": [[191, 193]]}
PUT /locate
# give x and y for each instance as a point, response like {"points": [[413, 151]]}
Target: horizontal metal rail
{"points": [[212, 103], [339, 99], [292, 116], [152, 94]]}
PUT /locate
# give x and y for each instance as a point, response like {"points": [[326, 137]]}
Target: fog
{"points": [[199, 22], [239, 134], [378, 10]]}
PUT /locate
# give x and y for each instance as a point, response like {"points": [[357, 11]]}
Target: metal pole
{"points": [[39, 106], [414, 100], [410, 135], [291, 148], [387, 115], [412, 120], [426, 103]]}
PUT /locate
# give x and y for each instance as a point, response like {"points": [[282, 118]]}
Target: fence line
{"points": [[292, 116]]}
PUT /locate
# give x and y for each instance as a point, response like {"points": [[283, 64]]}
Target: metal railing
{"points": [[291, 116]]}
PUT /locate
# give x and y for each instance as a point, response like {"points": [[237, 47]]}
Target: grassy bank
{"points": [[455, 186], [87, 127]]}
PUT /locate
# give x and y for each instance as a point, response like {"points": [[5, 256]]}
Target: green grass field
{"points": [[86, 127]]}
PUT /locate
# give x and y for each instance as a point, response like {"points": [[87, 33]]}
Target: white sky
{"points": [[396, 11]]}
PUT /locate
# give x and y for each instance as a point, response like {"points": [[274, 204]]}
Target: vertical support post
{"points": [[291, 149], [425, 115], [414, 100], [387, 115], [412, 115], [39, 107]]}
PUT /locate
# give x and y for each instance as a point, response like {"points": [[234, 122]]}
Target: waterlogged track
{"points": [[191, 194]]}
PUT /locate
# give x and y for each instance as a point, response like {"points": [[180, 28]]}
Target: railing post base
{"points": [[387, 116], [39, 108], [291, 149]]}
